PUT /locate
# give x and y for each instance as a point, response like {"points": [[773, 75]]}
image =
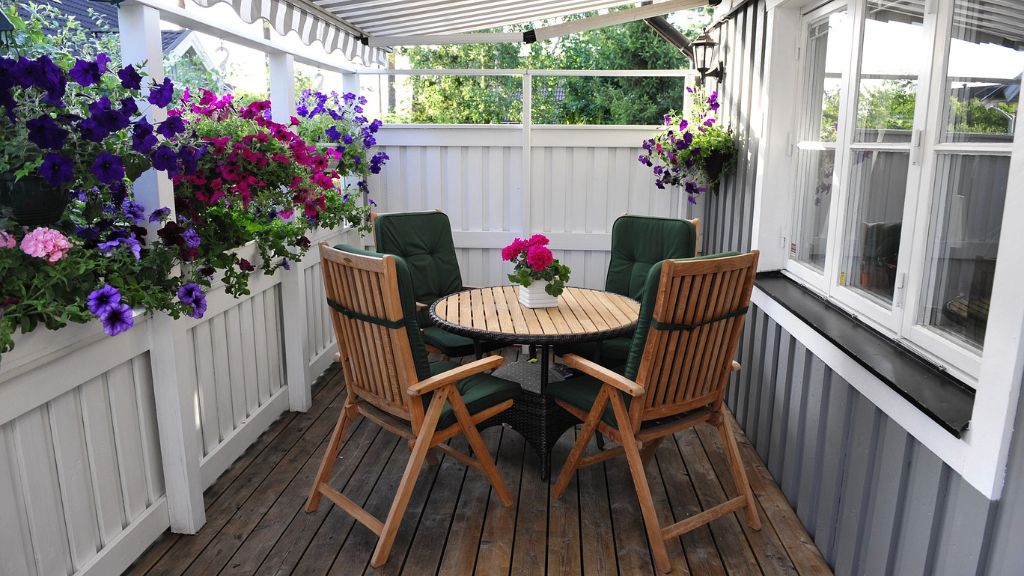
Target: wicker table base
{"points": [[534, 415]]}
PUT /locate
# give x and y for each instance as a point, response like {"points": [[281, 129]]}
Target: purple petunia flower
{"points": [[88, 73], [108, 168], [46, 133], [92, 130], [286, 264], [347, 138], [161, 94], [333, 134], [159, 214], [188, 293], [117, 319], [171, 127], [130, 77], [99, 301], [191, 238], [129, 107], [57, 169], [133, 210], [143, 139], [165, 159], [131, 243]]}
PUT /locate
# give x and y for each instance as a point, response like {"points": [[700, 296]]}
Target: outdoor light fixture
{"points": [[705, 58], [6, 31]]}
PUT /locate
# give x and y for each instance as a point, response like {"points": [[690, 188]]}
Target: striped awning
{"points": [[348, 25]]}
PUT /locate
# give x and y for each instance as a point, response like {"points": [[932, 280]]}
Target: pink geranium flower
{"points": [[539, 257], [46, 243], [513, 250], [7, 240], [537, 240]]}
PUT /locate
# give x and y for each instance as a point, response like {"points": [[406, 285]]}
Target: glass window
{"points": [[874, 222], [825, 57], [986, 59], [892, 56], [893, 53], [966, 221]]}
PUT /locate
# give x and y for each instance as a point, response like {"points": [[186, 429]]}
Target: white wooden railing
{"points": [[101, 438], [575, 181]]}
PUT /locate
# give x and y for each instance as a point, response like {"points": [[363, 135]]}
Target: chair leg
{"points": [[739, 473], [643, 490], [476, 442], [647, 452], [412, 472], [589, 426], [345, 418]]}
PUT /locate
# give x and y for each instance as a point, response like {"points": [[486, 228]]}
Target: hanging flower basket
{"points": [[32, 200]]}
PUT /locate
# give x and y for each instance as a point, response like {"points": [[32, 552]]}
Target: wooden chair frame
{"points": [[696, 387], [393, 399]]}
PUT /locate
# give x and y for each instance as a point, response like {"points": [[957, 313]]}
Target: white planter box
{"points": [[534, 295]]}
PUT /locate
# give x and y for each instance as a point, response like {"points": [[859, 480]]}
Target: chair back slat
{"points": [[697, 320], [376, 358]]}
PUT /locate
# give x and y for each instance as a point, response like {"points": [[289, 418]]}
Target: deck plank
{"points": [[455, 524]]}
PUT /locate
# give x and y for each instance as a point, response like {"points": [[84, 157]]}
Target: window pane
{"points": [[986, 59], [874, 221], [964, 238], [810, 238], [827, 53], [893, 55]]}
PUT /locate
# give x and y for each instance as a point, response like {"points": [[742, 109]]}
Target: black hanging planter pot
{"points": [[714, 165], [32, 200]]}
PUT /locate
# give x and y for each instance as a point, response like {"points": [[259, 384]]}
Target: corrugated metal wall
{"points": [[729, 212], [875, 500]]}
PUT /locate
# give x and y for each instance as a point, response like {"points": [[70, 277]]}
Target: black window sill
{"points": [[942, 397]]}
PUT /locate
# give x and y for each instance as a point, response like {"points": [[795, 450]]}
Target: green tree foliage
{"points": [[556, 100]]}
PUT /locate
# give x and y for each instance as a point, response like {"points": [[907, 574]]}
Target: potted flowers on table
{"points": [[694, 151], [540, 274]]}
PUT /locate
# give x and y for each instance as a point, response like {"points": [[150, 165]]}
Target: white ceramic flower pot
{"points": [[534, 296]]}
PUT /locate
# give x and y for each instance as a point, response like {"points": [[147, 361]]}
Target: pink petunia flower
{"points": [[46, 243], [7, 240]]}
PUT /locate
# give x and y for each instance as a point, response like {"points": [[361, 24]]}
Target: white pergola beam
{"points": [[547, 32], [203, 21]]}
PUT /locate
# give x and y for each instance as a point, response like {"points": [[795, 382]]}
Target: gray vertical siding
{"points": [[729, 211], [875, 500]]}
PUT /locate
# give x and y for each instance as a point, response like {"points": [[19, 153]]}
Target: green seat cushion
{"points": [[580, 391], [613, 351], [479, 392], [640, 242], [453, 345], [424, 241]]}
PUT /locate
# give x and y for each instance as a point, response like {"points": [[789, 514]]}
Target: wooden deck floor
{"points": [[256, 525]]}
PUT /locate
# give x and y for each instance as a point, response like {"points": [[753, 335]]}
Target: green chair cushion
{"points": [[479, 392], [613, 351], [643, 325], [580, 391], [638, 243], [424, 241], [453, 345]]}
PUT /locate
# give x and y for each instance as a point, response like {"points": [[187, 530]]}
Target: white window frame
{"points": [[980, 456], [898, 321]]}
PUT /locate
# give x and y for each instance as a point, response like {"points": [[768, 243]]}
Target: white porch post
{"points": [[174, 386], [293, 282]]}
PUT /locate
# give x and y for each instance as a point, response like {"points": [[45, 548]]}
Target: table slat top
{"points": [[582, 315]]}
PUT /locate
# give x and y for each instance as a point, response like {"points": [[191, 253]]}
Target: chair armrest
{"points": [[454, 375], [421, 306], [603, 374], [736, 366]]}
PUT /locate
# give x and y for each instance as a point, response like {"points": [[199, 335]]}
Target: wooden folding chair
{"points": [[389, 380], [676, 375]]}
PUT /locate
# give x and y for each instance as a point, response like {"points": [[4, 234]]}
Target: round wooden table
{"points": [[494, 313]]}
